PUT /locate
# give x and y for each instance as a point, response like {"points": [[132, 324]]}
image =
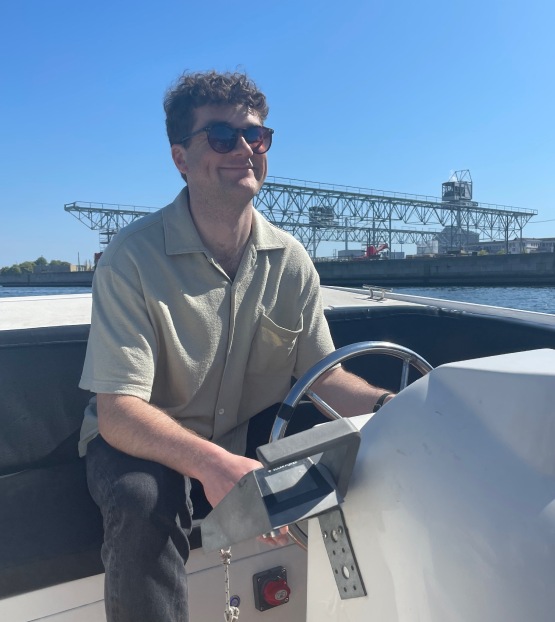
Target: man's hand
{"points": [[280, 540], [220, 478]]}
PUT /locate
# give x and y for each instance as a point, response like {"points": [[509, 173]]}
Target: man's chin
{"points": [[244, 187]]}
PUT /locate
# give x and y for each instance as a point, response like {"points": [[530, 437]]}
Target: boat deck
{"points": [[75, 309]]}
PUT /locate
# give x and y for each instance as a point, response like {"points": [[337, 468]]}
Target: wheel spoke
{"points": [[318, 401], [404, 374]]}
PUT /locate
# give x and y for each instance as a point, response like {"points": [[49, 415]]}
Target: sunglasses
{"points": [[223, 138]]}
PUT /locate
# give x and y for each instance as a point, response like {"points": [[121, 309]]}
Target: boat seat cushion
{"points": [[54, 526], [41, 406]]}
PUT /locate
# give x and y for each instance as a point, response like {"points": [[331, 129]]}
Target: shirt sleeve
{"points": [[122, 346], [315, 341]]}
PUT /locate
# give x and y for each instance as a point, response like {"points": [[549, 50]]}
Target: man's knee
{"points": [[139, 494], [140, 490]]}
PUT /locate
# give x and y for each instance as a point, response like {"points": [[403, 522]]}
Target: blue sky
{"points": [[392, 95]]}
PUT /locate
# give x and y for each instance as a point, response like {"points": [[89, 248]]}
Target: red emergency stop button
{"points": [[276, 592]]}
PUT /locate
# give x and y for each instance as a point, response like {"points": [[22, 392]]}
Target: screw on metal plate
{"points": [[341, 555]]}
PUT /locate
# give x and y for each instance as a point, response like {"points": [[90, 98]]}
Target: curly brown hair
{"points": [[193, 90]]}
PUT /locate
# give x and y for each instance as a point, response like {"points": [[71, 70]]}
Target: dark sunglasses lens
{"points": [[222, 138], [259, 139]]}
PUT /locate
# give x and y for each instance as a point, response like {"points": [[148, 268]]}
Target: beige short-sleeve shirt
{"points": [[170, 327]]}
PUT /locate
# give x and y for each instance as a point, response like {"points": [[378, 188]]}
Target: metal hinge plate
{"points": [[341, 555]]}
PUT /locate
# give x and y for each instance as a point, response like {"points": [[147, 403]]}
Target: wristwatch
{"points": [[380, 401]]}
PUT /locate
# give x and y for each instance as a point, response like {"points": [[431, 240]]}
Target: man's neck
{"points": [[223, 229]]}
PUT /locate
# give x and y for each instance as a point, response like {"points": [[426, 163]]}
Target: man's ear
{"points": [[179, 156]]}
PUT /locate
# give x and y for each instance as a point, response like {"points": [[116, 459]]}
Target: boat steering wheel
{"points": [[302, 387]]}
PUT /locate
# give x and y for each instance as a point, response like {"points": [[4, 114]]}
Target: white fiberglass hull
{"points": [[451, 506]]}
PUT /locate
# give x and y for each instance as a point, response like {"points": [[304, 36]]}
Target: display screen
{"points": [[293, 486]]}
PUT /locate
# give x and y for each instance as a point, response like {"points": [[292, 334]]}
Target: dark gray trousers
{"points": [[147, 515]]}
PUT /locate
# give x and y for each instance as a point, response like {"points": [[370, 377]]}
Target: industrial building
{"points": [[516, 246]]}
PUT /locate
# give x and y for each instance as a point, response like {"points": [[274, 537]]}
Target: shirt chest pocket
{"points": [[274, 349]]}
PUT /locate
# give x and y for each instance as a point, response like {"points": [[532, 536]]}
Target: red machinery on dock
{"points": [[372, 252]]}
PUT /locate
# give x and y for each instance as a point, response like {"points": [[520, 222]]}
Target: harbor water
{"points": [[14, 292], [539, 299]]}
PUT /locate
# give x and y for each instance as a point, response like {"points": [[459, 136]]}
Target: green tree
{"points": [[27, 266], [56, 263], [483, 252], [15, 270], [41, 261], [501, 252]]}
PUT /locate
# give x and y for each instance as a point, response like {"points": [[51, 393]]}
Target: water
{"points": [[540, 299], [13, 292]]}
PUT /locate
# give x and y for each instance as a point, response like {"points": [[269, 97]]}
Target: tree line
{"points": [[27, 266]]}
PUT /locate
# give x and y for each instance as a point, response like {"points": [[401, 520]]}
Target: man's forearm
{"points": [[137, 428], [347, 394]]}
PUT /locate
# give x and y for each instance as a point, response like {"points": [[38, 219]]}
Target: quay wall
{"points": [[49, 279], [487, 270]]}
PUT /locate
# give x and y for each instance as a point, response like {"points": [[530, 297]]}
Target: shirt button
{"points": [[221, 411]]}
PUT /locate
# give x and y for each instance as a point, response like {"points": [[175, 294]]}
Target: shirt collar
{"points": [[265, 236], [181, 235]]}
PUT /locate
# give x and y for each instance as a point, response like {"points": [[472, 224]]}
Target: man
{"points": [[202, 312]]}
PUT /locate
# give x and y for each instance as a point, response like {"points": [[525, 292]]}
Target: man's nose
{"points": [[242, 147]]}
